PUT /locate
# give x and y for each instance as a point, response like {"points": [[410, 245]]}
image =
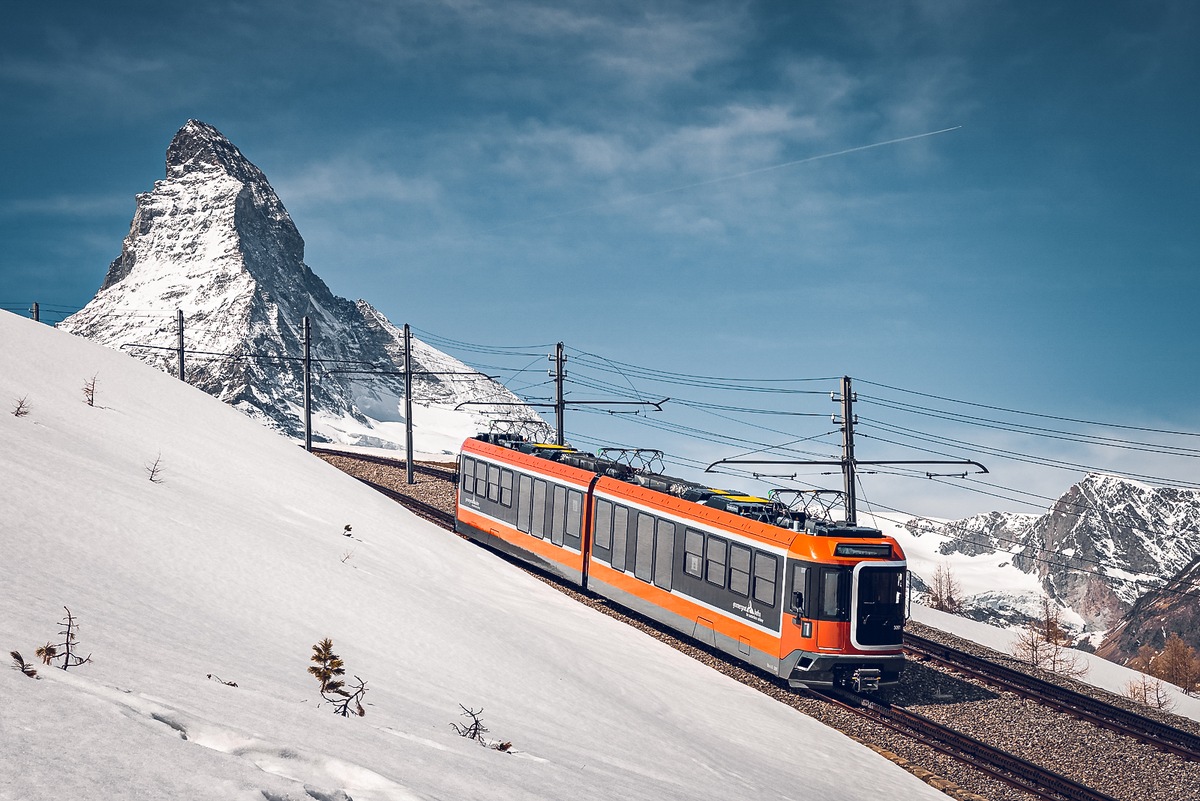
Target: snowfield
{"points": [[236, 564]]}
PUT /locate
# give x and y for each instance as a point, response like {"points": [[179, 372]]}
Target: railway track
{"points": [[1097, 712], [444, 473], [1010, 769]]}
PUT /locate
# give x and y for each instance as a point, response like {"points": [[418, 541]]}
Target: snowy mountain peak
{"points": [[214, 240], [200, 146]]}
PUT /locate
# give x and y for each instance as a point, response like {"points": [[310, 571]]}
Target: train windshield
{"points": [[879, 614]]}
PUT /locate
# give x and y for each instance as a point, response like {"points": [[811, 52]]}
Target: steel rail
{"points": [[1093, 710]]}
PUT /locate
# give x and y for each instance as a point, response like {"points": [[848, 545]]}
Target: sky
{"points": [[988, 202], [225, 572]]}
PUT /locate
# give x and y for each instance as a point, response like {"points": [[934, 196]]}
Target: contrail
{"points": [[631, 198]]}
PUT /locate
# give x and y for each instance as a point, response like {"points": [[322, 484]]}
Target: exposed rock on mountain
{"points": [[213, 240], [1173, 609], [1100, 547]]}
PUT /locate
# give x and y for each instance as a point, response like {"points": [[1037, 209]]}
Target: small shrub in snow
{"points": [[89, 391], [346, 531], [20, 664], [475, 730], [327, 668], [21, 407], [65, 650], [215, 677], [154, 470]]}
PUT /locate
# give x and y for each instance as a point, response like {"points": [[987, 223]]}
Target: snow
{"points": [[985, 575], [1100, 672], [236, 564]]}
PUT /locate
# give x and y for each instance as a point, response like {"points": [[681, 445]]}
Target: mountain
{"points": [[214, 240], [1099, 548], [227, 572], [1171, 609]]}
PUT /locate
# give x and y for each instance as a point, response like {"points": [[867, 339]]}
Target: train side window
{"points": [[574, 517], [604, 522], [833, 601], [539, 509], [714, 561], [799, 585], [693, 553], [643, 554], [493, 485], [481, 469], [506, 487], [620, 537], [560, 514], [467, 478], [765, 566], [739, 569], [664, 551], [524, 502]]}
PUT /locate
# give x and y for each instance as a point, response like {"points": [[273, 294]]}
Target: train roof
{"points": [[753, 507]]}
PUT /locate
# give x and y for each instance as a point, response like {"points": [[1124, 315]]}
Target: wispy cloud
{"points": [[643, 46], [348, 178], [68, 206]]}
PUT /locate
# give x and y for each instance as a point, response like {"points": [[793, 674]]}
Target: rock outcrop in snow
{"points": [[213, 240]]}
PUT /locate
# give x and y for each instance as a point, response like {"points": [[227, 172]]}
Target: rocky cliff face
{"points": [[1101, 546], [1172, 609], [213, 240]]}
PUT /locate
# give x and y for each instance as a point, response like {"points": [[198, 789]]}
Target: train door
{"points": [[833, 599]]}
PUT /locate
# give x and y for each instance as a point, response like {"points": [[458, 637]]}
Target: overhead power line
{"points": [[1047, 433], [1034, 414]]}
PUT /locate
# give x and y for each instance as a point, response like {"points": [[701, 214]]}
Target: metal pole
{"points": [[560, 405], [848, 449], [307, 385], [36, 313], [408, 443], [179, 322]]}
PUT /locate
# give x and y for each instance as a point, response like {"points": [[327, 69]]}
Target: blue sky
{"points": [[523, 173]]}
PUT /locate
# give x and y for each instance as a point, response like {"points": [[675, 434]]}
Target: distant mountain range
{"points": [[1114, 552], [213, 240]]}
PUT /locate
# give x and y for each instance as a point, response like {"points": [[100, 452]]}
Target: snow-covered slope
{"points": [[214, 241], [236, 564]]}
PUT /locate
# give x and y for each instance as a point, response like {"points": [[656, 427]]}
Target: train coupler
{"points": [[865, 680]]}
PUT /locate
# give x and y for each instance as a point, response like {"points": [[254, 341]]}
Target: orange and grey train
{"points": [[814, 602]]}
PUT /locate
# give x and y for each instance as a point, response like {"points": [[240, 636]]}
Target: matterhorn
{"points": [[213, 241]]}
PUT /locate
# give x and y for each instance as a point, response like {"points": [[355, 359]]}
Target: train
{"points": [[812, 601]]}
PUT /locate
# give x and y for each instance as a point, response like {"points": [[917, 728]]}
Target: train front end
{"points": [[846, 601]]}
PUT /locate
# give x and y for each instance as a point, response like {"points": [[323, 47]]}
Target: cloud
{"points": [[68, 206], [353, 179], [636, 47]]}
